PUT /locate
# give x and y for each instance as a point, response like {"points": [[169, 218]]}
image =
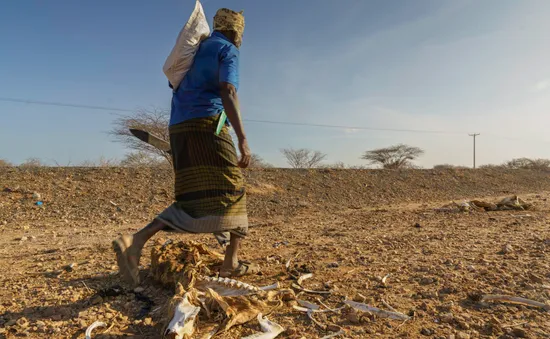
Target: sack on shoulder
{"points": [[181, 57]]}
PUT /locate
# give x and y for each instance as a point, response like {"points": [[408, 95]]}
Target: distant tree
{"points": [[257, 161], [303, 158], [393, 157], [101, 162], [5, 163], [142, 159], [32, 162], [336, 165], [448, 166], [150, 120], [526, 163]]}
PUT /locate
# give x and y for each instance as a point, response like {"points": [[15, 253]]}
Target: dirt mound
{"points": [[121, 195]]}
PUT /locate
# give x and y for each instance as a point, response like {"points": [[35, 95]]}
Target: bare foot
{"points": [[127, 258]]}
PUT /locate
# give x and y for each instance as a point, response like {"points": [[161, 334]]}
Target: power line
{"points": [[62, 104], [104, 108]]}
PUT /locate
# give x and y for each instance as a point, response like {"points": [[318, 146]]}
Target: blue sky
{"points": [[459, 66]]}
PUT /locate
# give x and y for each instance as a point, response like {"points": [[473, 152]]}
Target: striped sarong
{"points": [[209, 185]]}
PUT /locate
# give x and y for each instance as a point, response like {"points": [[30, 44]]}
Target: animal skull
{"points": [[182, 324]]}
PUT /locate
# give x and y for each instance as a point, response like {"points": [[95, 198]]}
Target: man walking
{"points": [[209, 185]]}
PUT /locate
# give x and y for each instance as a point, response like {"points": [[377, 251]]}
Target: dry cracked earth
{"points": [[349, 228]]}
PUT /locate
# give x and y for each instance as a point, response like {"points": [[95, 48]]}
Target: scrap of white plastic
{"points": [[181, 57]]}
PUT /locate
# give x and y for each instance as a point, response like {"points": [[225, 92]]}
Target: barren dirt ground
{"points": [[59, 273]]}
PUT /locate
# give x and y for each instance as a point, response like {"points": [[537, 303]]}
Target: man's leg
{"points": [[223, 239], [232, 266], [128, 250], [231, 260]]}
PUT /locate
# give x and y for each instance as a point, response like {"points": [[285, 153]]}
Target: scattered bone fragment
{"points": [[92, 327]]}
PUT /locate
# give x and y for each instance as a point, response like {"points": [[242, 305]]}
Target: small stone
{"points": [[40, 324], [36, 196], [139, 289], [353, 318], [426, 281], [22, 239], [447, 318], [519, 333], [506, 249], [22, 322], [333, 328], [333, 265], [359, 298], [463, 325], [462, 335], [426, 331], [97, 300], [148, 321]]}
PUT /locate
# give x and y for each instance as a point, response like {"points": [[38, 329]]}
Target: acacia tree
{"points": [[257, 161], [393, 157], [154, 121], [526, 163], [303, 157], [32, 162]]}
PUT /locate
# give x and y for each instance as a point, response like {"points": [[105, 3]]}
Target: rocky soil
{"points": [[350, 228]]}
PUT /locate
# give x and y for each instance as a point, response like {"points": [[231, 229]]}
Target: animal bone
{"points": [[93, 326], [225, 286], [270, 287], [304, 277], [270, 329], [384, 279], [308, 305], [377, 311], [300, 288], [333, 310], [183, 322], [305, 309], [226, 302], [334, 334], [515, 300]]}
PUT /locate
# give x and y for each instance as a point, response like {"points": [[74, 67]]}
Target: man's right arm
{"points": [[229, 78]]}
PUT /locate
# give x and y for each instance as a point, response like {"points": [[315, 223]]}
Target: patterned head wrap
{"points": [[228, 20]]}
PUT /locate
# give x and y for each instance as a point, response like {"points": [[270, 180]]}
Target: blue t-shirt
{"points": [[198, 96]]}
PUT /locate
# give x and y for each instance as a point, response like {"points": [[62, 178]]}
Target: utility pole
{"points": [[474, 135]]}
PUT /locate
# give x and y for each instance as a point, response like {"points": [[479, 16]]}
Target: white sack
{"points": [[181, 58]]}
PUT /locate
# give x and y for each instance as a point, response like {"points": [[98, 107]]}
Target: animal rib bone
{"points": [[515, 300], [93, 326], [308, 305], [270, 329], [225, 286], [300, 288], [377, 311], [305, 309]]}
